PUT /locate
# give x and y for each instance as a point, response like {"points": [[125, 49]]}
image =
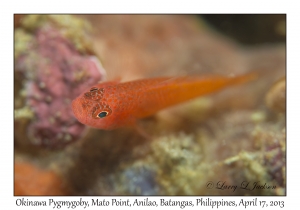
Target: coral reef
{"points": [[203, 147], [55, 73], [183, 164], [72, 28]]}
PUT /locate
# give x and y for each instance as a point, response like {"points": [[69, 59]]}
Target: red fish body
{"points": [[111, 105]]}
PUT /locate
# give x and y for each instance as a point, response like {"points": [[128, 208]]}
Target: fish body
{"points": [[111, 105]]}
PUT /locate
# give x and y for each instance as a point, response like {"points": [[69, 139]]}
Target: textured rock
{"points": [[55, 73]]}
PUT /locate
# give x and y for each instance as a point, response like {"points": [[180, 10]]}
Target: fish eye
{"points": [[102, 114], [100, 110]]}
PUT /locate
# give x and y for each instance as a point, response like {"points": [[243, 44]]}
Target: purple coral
{"points": [[275, 163], [140, 181], [55, 74]]}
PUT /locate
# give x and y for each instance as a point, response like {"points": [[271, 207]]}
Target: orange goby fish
{"points": [[110, 105]]}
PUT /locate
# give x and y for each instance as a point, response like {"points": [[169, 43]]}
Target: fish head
{"points": [[95, 108]]}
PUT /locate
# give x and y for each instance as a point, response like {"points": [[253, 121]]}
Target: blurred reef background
{"points": [[233, 137]]}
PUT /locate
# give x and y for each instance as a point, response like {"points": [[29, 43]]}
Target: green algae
{"points": [[70, 26], [22, 40], [23, 113]]}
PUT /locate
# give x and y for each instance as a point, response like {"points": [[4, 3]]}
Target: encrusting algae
{"points": [[182, 165], [73, 28], [51, 70]]}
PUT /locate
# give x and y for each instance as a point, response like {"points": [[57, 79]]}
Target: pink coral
{"points": [[55, 74]]}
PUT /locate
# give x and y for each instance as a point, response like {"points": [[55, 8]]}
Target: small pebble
{"points": [[276, 96]]}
